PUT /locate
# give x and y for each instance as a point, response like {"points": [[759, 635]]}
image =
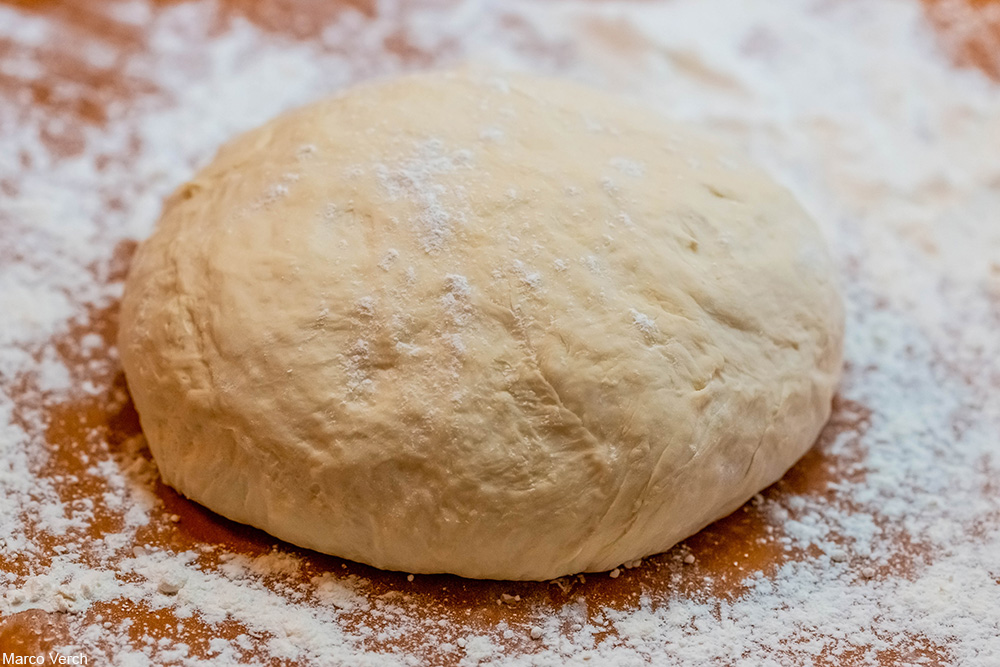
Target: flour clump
{"points": [[505, 328]]}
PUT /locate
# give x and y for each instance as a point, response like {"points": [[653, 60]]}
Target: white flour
{"points": [[850, 104]]}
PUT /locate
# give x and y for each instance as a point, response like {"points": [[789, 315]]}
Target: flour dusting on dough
{"points": [[438, 210]]}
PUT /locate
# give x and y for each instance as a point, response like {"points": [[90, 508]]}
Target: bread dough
{"points": [[502, 327]]}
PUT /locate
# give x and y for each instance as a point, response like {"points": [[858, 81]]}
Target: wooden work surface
{"points": [[78, 93]]}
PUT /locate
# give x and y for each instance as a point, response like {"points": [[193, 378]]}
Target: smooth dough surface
{"points": [[501, 327]]}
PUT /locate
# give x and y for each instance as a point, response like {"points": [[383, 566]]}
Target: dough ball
{"points": [[505, 328]]}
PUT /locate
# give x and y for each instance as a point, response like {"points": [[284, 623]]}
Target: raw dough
{"points": [[505, 328]]}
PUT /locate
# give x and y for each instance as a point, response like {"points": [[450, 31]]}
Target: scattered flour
{"points": [[413, 178], [643, 323]]}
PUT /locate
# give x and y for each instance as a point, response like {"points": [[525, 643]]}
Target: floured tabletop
{"points": [[880, 547]]}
